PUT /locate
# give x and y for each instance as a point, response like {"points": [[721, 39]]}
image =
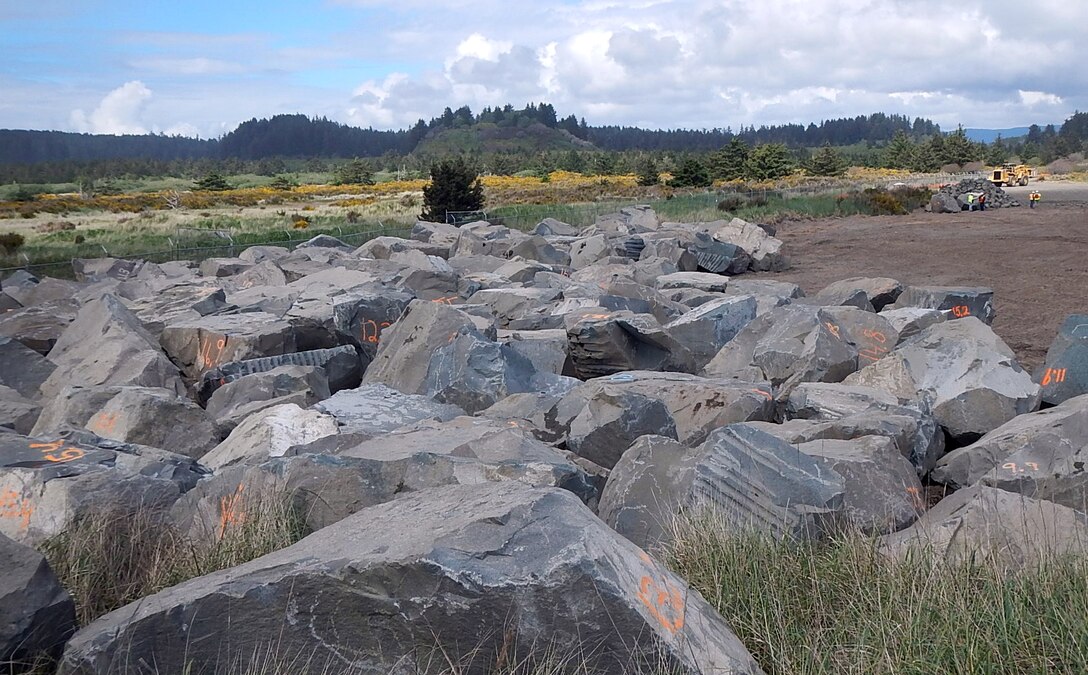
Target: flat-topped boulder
{"points": [[46, 483], [957, 301], [198, 345]]}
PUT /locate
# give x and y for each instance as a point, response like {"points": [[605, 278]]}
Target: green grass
{"points": [[841, 607]]}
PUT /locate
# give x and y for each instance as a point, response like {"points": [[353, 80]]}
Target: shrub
{"points": [[731, 203], [691, 173], [11, 242], [454, 186]]}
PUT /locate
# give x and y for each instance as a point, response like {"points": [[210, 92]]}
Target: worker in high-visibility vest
{"points": [[970, 201], [1034, 197]]}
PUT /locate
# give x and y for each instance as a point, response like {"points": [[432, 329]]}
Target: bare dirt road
{"points": [[1036, 260]]}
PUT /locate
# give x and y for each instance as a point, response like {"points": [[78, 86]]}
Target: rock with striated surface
{"points": [[461, 557], [373, 410]]}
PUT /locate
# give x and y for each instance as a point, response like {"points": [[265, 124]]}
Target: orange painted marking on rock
{"points": [[14, 506], [960, 311], [1053, 376], [230, 511]]}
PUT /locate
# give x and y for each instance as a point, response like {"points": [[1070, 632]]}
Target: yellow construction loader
{"points": [[1010, 175]]}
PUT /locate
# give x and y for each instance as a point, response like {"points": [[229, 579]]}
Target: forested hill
{"points": [[291, 136]]}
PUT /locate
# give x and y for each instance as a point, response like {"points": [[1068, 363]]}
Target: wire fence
{"points": [[197, 244]]}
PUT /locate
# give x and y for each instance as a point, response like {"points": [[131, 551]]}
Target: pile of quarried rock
{"points": [[489, 432], [954, 197]]}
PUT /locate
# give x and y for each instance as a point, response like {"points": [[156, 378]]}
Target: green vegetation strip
{"points": [[841, 607]]}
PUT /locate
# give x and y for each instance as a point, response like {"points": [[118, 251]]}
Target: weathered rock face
{"points": [[985, 525], [460, 559], [876, 293], [404, 353], [855, 412], [545, 349], [374, 410], [605, 343], [909, 321], [201, 344], [710, 326], [757, 482], [39, 327], [45, 483], [765, 251], [141, 415], [647, 488], [270, 433], [799, 343], [17, 413], [1065, 373], [107, 345], [240, 398], [958, 301], [883, 493], [183, 302], [961, 370], [1041, 455], [36, 614], [22, 368], [340, 367]]}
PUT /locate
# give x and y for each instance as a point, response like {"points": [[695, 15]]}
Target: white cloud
{"points": [[118, 113], [192, 66], [1034, 98]]}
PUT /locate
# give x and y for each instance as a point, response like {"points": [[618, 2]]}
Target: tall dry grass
{"points": [[840, 606]]}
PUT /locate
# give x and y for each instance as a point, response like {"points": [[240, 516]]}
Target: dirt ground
{"points": [[1036, 261]]}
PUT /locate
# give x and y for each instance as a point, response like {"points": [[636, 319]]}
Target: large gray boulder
{"points": [[962, 371], [141, 415], [198, 345], [374, 410], [764, 250], [1065, 373], [240, 398], [605, 343], [23, 369], [874, 292], [696, 405], [181, 302], [958, 301], [37, 616], [39, 327], [803, 343], [442, 570], [107, 345], [981, 525], [405, 350], [710, 326], [1040, 455], [270, 433], [340, 367], [46, 483]]}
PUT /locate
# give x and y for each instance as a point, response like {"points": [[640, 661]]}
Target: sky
{"points": [[199, 68]]}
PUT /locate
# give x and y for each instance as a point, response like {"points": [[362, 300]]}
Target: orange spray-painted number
{"points": [[665, 604], [1053, 376], [960, 311], [372, 330], [56, 452], [14, 506], [1014, 468], [833, 328], [208, 353]]}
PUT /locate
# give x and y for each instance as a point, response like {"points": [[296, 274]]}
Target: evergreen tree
{"points": [[282, 182], [997, 154], [691, 173], [213, 182], [728, 162], [455, 186], [900, 153], [768, 161], [958, 149], [648, 173], [573, 161], [827, 162], [355, 172], [604, 164]]}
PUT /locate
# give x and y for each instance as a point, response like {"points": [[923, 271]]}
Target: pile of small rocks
{"points": [[952, 198]]}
